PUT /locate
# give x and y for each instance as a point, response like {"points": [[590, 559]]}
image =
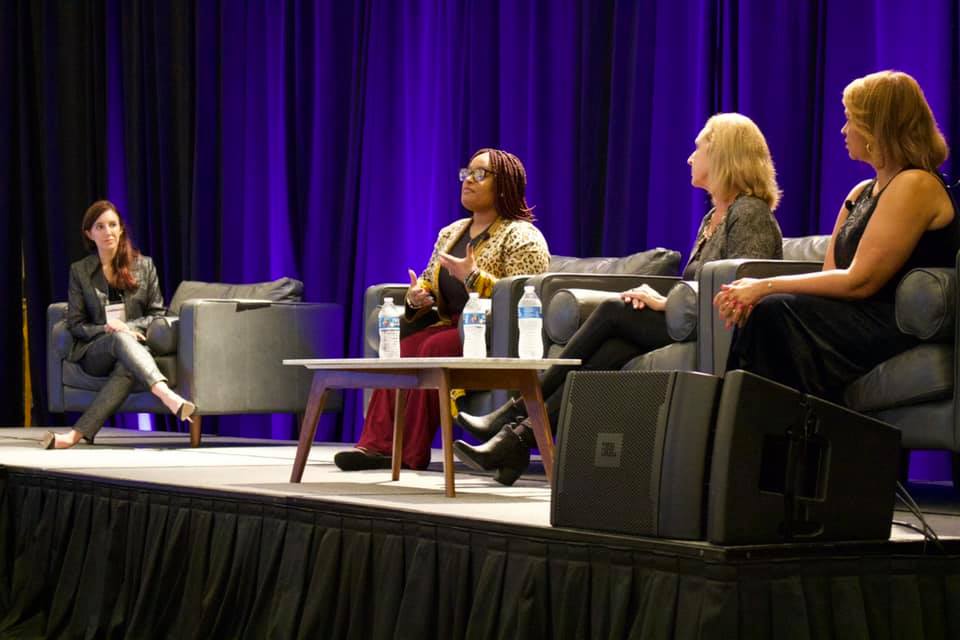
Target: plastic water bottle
{"points": [[474, 328], [530, 325], [389, 322]]}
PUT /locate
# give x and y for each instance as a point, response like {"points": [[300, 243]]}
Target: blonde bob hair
{"points": [[890, 110], [740, 161]]}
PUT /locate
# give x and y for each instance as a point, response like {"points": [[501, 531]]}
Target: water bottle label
{"points": [[389, 322], [529, 313], [474, 318]]}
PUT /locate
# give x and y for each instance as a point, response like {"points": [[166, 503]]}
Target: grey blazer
{"points": [[86, 314]]}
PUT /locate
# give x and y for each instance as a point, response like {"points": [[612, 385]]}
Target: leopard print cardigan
{"points": [[511, 248]]}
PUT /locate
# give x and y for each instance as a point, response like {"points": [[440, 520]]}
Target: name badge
{"points": [[116, 311]]}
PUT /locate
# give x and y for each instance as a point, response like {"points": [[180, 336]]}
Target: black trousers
{"points": [[127, 362], [817, 345], [614, 334]]}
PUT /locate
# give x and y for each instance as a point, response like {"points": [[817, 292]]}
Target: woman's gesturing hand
{"points": [[459, 268], [645, 296], [417, 296]]}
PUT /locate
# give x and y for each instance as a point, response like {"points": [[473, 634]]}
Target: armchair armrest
{"points": [[549, 284], [713, 339], [230, 353], [372, 301], [59, 345]]}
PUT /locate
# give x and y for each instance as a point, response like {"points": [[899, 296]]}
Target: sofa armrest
{"points": [[713, 338], [372, 301], [547, 285], [504, 332], [59, 345], [230, 355]]}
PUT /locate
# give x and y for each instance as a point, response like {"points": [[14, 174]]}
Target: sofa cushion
{"points": [[812, 248], [921, 374], [282, 289], [163, 335], [681, 311], [569, 308], [925, 304], [75, 376], [679, 356], [653, 262]]}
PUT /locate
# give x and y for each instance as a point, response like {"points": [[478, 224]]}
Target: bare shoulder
{"points": [[919, 192]]}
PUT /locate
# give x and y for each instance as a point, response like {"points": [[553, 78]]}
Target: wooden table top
{"points": [[374, 364]]}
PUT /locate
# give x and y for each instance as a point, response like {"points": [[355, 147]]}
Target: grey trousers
{"points": [[127, 362]]}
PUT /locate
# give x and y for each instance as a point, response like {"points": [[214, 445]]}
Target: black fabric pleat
{"points": [[84, 559]]}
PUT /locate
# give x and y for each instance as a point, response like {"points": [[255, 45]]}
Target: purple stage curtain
{"points": [[320, 140]]}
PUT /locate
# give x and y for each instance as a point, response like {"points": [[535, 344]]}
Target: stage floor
{"points": [[262, 468]]}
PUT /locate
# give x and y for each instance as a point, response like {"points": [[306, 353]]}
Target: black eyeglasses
{"points": [[477, 174]]}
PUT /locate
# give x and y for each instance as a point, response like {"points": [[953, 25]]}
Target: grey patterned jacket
{"points": [[749, 230]]}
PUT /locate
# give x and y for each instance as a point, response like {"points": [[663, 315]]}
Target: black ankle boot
{"points": [[507, 452], [485, 427]]}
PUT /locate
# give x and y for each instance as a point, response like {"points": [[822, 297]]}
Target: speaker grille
{"points": [[608, 430]]}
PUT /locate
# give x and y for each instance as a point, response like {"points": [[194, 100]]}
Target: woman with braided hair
{"points": [[471, 254]]}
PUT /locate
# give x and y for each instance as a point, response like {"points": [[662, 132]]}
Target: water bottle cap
{"points": [[474, 294], [388, 300], [528, 288]]}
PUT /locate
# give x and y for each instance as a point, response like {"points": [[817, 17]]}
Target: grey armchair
{"points": [[220, 345], [657, 267]]}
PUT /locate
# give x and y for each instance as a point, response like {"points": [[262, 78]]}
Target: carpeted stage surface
{"points": [[142, 536], [263, 467]]}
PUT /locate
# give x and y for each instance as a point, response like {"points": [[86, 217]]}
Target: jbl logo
{"points": [[609, 447]]}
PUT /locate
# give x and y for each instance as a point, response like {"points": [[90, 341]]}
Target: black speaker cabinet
{"points": [[631, 452], [789, 466]]}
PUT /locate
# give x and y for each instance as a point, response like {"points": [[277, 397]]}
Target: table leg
{"points": [[308, 428], [446, 431], [539, 422], [399, 424]]}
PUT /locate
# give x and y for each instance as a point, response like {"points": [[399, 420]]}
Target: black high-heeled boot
{"points": [[508, 452], [486, 427]]}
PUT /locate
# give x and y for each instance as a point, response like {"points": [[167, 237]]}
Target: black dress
{"points": [[820, 345]]}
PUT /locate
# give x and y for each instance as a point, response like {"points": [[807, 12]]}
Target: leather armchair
{"points": [[221, 346]]}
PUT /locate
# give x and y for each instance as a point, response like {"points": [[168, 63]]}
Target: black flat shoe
{"points": [[360, 460], [49, 440], [486, 427]]}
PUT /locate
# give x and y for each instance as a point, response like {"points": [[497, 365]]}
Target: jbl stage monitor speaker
{"points": [[789, 466], [631, 452]]}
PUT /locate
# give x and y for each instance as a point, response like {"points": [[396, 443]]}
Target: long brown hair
{"points": [[510, 195], [126, 252]]}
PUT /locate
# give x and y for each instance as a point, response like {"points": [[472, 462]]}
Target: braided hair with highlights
{"points": [[511, 185]]}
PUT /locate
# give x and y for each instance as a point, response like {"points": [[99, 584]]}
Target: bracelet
{"points": [[472, 278], [406, 298]]}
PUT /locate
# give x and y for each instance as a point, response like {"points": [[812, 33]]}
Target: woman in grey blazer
{"points": [[114, 296]]}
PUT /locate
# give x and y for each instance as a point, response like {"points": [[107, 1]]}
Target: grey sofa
{"points": [[657, 267], [916, 391], [698, 345], [219, 345]]}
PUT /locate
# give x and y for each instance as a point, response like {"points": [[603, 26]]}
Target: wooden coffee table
{"points": [[442, 374]]}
